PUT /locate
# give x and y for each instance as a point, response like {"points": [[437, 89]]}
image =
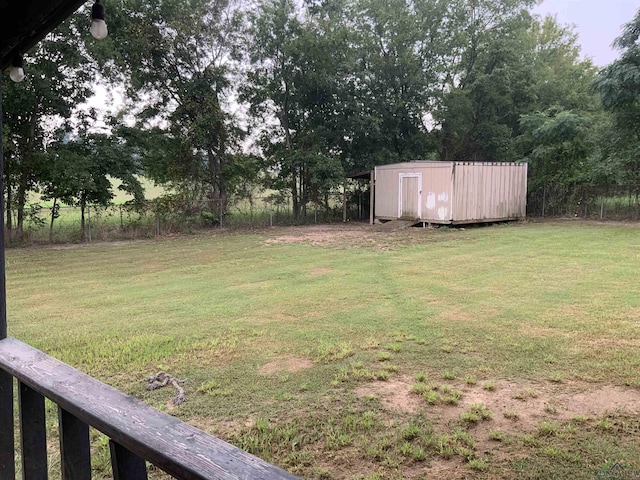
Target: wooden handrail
{"points": [[178, 448]]}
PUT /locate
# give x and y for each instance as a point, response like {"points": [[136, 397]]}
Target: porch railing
{"points": [[138, 433]]}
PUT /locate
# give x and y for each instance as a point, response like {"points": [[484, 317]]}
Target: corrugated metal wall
{"points": [[489, 191], [453, 192]]}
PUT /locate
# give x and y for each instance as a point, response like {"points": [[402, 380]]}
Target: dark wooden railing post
{"points": [[125, 464], [7, 446], [75, 449], [33, 433]]}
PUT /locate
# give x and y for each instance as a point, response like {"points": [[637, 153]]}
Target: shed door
{"points": [[410, 186]]}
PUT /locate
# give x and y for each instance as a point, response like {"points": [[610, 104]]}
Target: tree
{"points": [[487, 83], [58, 73], [175, 57], [294, 77], [396, 45], [556, 135], [619, 88], [79, 170], [560, 149]]}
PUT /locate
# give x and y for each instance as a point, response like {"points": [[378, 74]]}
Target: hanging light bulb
{"points": [[16, 72], [98, 25]]}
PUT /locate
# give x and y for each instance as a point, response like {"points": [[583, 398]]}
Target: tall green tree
{"points": [[59, 70], [619, 88], [296, 63], [487, 80], [173, 58], [556, 137], [396, 45], [79, 167]]}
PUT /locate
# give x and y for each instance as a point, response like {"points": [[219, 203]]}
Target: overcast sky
{"points": [[598, 22]]}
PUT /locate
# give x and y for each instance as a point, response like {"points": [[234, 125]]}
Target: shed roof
{"points": [[23, 23], [365, 174]]}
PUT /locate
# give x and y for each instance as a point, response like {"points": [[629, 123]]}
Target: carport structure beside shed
{"points": [[363, 175]]}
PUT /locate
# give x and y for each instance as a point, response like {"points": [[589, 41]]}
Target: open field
{"points": [[350, 352]]}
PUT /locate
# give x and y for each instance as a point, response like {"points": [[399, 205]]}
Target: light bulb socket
{"points": [[98, 25], [17, 61], [97, 11], [16, 72]]}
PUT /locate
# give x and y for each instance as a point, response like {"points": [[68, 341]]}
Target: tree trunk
{"points": [[303, 192], [54, 214], [284, 123], [22, 200], [222, 186], [216, 151], [294, 193], [83, 205], [8, 208], [214, 175], [26, 172]]}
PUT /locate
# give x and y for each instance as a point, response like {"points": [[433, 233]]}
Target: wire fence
{"points": [[166, 216], [160, 217], [611, 202]]}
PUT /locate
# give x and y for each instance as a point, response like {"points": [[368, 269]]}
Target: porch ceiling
{"points": [[23, 23]]}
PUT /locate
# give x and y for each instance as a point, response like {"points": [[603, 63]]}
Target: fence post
{"points": [[601, 207], [121, 222], [344, 201], [544, 198], [271, 214], [371, 196], [89, 222]]}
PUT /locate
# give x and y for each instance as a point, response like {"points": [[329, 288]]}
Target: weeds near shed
{"points": [[525, 394], [384, 356], [476, 413], [489, 385]]}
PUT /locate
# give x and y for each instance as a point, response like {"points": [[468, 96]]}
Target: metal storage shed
{"points": [[451, 192]]}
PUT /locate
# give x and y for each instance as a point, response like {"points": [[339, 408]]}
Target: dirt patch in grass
{"points": [[357, 235], [286, 364], [320, 271], [440, 468], [458, 315], [394, 394], [602, 400], [517, 407], [324, 235], [214, 426], [517, 410]]}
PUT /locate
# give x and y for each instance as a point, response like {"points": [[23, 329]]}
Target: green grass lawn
{"points": [[348, 352]]}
